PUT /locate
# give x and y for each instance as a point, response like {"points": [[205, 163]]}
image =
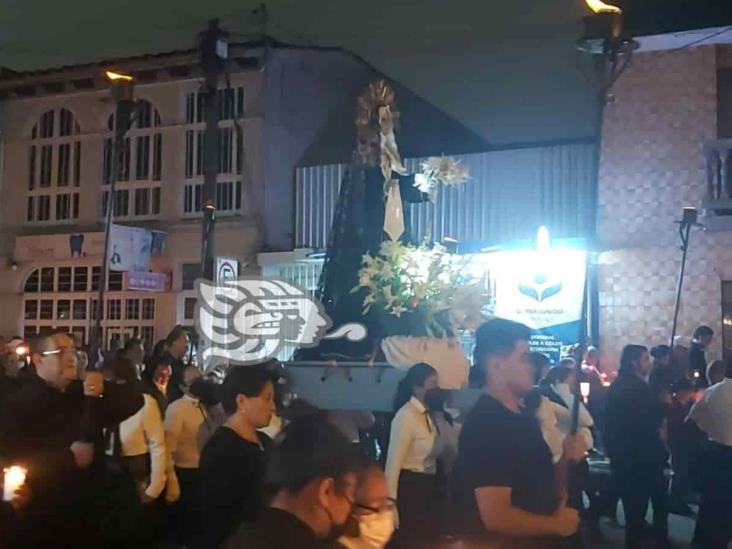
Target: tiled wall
{"points": [[664, 108]]}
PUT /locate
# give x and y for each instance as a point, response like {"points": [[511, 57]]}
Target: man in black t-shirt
{"points": [[507, 488]]}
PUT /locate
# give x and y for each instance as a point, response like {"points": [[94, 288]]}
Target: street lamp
{"points": [[122, 90], [689, 219], [604, 40]]}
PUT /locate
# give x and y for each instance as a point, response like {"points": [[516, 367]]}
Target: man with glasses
{"points": [[314, 468], [372, 523], [51, 426]]}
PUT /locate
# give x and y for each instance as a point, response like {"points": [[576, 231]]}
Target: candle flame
{"points": [[114, 76], [14, 479], [598, 6]]}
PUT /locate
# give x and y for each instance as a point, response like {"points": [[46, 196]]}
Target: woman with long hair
{"points": [[411, 461], [137, 446]]}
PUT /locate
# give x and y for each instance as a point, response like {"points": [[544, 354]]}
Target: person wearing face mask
{"points": [[411, 461], [232, 464], [557, 387], [314, 469], [372, 523]]}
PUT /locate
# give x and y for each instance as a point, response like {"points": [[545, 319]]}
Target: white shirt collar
{"points": [[414, 401], [190, 398]]}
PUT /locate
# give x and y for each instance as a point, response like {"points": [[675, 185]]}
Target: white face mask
{"points": [[375, 529]]}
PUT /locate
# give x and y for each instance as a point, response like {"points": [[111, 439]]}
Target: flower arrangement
{"points": [[416, 291], [446, 170]]}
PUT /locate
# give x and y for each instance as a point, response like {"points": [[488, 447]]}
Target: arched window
{"points": [[229, 180], [140, 171], [54, 173]]}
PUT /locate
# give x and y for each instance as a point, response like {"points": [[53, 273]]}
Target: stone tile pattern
{"points": [[664, 108]]}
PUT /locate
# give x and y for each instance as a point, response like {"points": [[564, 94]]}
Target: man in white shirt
{"points": [[183, 419], [713, 415]]}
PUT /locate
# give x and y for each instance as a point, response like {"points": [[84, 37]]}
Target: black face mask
{"points": [[435, 400]]}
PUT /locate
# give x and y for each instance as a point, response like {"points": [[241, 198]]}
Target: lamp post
{"points": [[121, 88], [610, 50], [689, 219], [214, 53]]}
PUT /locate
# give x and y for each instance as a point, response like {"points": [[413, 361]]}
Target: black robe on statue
{"points": [[358, 228]]}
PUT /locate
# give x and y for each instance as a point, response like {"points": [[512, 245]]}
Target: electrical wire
{"points": [[705, 38]]}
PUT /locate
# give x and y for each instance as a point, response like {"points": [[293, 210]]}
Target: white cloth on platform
{"points": [[351, 422], [445, 355]]}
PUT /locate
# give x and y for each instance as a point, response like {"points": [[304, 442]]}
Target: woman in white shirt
{"points": [[555, 417], [411, 464], [138, 444], [183, 419], [557, 388], [140, 439]]}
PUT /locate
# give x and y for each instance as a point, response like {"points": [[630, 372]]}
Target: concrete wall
{"points": [[664, 108], [303, 87]]}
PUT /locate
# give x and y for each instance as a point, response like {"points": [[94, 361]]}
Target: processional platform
{"points": [[355, 385]]}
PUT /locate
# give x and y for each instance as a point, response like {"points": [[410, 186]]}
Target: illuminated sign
{"points": [[541, 287]]}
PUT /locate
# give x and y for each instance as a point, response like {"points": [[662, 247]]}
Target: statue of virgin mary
{"points": [[372, 207]]}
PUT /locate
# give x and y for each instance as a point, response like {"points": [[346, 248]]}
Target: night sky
{"points": [[507, 68]]}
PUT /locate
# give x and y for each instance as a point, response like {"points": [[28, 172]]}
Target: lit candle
{"points": [[14, 479], [585, 390]]}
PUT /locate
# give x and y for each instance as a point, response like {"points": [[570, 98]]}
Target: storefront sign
{"points": [[227, 268], [129, 248], [147, 282], [50, 247], [58, 246]]}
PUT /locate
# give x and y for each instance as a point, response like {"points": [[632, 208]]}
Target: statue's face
{"points": [[367, 147]]}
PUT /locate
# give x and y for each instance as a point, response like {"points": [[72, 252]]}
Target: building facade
{"points": [[279, 105], [663, 148], [56, 168]]}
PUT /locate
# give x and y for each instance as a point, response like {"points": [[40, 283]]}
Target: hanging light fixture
{"points": [[603, 31]]}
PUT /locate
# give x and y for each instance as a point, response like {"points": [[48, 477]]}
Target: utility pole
{"points": [[214, 53], [125, 108]]}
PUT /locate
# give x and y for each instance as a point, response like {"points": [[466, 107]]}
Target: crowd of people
{"points": [[146, 451]]}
